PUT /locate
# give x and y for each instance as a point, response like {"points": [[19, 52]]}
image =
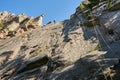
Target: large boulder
{"points": [[38, 20], [3, 15], [19, 18], [6, 17], [13, 26], [26, 22]]}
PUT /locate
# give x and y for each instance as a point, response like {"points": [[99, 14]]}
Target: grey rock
{"points": [[74, 52]]}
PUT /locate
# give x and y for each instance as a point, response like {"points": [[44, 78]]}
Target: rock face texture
{"points": [[65, 50], [10, 23]]}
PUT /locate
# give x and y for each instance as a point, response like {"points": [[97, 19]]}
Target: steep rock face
{"points": [[111, 21], [63, 42], [66, 50]]}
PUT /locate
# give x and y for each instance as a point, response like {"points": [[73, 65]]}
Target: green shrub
{"points": [[82, 6], [31, 21], [92, 4], [109, 5], [92, 23], [1, 25]]}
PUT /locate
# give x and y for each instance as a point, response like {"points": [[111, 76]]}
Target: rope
{"points": [[100, 57], [80, 19], [106, 45], [105, 41], [97, 30], [99, 42]]}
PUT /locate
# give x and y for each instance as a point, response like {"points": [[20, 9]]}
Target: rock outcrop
{"points": [[12, 23], [66, 50]]}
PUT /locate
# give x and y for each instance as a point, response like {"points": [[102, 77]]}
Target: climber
{"points": [[54, 21], [50, 22]]}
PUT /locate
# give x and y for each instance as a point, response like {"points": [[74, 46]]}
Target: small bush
{"points": [[82, 6], [109, 5], [91, 23], [1, 25], [30, 22]]}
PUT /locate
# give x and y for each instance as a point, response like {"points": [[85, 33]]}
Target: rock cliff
{"points": [[66, 50]]}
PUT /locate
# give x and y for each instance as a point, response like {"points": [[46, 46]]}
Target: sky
{"points": [[53, 9]]}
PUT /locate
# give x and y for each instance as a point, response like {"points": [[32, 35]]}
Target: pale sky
{"points": [[54, 9]]}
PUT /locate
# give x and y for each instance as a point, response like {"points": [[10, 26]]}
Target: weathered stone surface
{"points": [[13, 26], [38, 20], [3, 15], [2, 35], [19, 18], [26, 22], [72, 51]]}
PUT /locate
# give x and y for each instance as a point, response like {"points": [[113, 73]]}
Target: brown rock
{"points": [[2, 35], [13, 26], [38, 20]]}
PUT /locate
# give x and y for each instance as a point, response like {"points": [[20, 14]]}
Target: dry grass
{"points": [[94, 49]]}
